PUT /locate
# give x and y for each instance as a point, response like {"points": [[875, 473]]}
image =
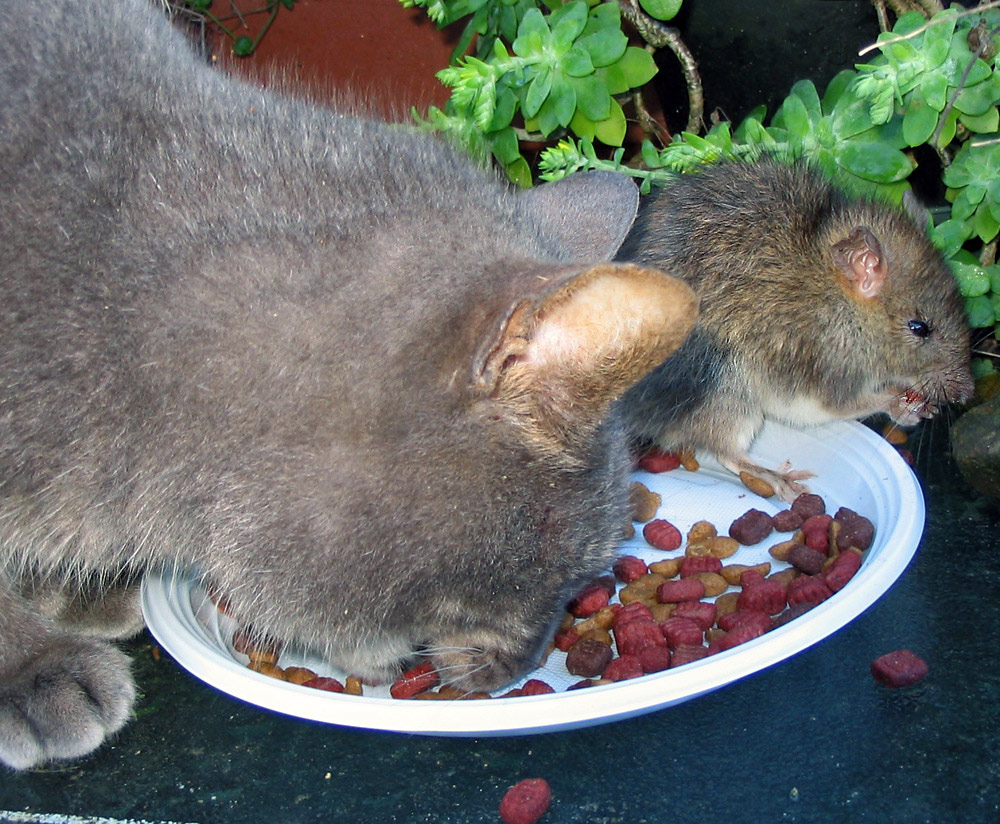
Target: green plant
{"points": [[539, 70], [933, 91], [243, 45]]}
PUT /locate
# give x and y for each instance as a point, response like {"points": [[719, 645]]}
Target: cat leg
{"points": [[61, 694], [112, 612]]}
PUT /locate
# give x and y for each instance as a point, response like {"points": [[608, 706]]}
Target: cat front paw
{"points": [[64, 702]]}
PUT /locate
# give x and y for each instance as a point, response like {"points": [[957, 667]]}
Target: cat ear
{"points": [[589, 214], [561, 360], [860, 259]]}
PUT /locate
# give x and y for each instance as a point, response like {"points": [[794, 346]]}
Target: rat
{"points": [[360, 384], [815, 306]]}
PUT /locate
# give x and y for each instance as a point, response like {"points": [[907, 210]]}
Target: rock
{"points": [[975, 443]]}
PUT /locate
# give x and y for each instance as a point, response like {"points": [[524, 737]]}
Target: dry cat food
{"points": [[901, 668], [653, 615], [526, 801]]}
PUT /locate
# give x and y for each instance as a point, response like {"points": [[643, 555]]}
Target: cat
{"points": [[358, 382]]}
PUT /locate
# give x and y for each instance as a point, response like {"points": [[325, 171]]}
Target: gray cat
{"points": [[357, 381]]}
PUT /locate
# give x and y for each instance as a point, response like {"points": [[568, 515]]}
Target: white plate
{"points": [[854, 468]]}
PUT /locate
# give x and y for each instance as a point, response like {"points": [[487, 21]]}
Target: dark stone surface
{"points": [[976, 446], [812, 740]]}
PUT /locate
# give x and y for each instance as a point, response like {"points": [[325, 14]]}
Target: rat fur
{"points": [[358, 382], [815, 306]]}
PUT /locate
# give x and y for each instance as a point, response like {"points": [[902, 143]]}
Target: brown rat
{"points": [[815, 306]]}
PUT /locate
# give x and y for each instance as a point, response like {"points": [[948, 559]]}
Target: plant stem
{"points": [[658, 36]]}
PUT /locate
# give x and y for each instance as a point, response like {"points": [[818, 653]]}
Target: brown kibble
{"points": [[602, 636], [732, 572], [894, 435], [668, 568], [267, 668], [714, 583], [752, 527], [701, 531], [661, 612], [722, 546], [628, 531], [689, 461], [726, 603], [298, 675], [757, 485], [781, 551], [353, 685], [643, 502], [784, 577], [642, 589]]}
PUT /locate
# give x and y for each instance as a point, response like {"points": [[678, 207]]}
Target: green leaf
{"points": [[519, 172], [605, 46], [794, 117], [979, 311], [505, 146], [972, 279], [851, 116], [592, 97], [934, 90], [949, 235], [537, 93], [567, 24], [637, 67], [982, 124], [919, 122], [611, 130], [506, 107], [650, 155], [562, 100], [661, 9], [805, 90], [531, 35], [243, 46], [836, 88], [949, 129], [583, 126], [873, 161], [976, 99], [576, 62], [985, 224]]}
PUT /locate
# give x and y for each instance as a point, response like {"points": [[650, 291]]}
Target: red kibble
{"points": [[623, 667], [608, 582], [899, 669], [657, 460], [662, 534], [686, 653], [526, 801], [654, 659], [535, 686], [590, 599], [817, 522], [321, 682], [414, 681], [738, 635], [752, 527], [807, 589], [680, 631], [697, 564], [817, 539], [745, 617], [588, 658], [636, 611], [794, 611], [788, 520], [701, 612], [808, 505], [628, 567], [687, 589], [767, 597], [565, 639], [842, 569], [634, 636], [806, 559], [750, 578]]}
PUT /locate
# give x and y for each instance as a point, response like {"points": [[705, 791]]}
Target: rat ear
{"points": [[588, 214], [560, 361], [860, 259]]}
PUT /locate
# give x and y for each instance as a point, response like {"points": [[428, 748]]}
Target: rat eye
{"points": [[919, 328]]}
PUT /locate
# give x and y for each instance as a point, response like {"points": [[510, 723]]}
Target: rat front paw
{"points": [[784, 481], [64, 702]]}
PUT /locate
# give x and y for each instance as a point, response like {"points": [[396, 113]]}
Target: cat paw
{"points": [[64, 702]]}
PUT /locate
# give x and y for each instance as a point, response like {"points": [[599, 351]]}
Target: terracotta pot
{"points": [[372, 50]]}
